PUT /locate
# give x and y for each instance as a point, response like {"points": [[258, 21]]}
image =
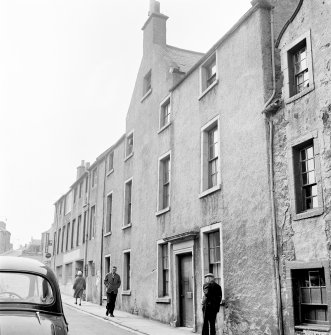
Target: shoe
{"points": [[80, 304], [111, 314], [75, 302], [107, 313]]}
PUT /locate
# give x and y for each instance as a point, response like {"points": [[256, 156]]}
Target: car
{"points": [[30, 299]]}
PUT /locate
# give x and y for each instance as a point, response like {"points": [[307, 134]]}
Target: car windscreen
{"points": [[17, 287]]}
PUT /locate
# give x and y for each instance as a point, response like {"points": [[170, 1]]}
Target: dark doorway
{"points": [[185, 282]]}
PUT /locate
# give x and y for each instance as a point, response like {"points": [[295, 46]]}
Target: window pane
{"points": [[310, 153], [310, 165], [304, 166], [314, 190], [316, 295], [311, 177], [309, 203], [324, 298], [309, 313], [305, 295], [321, 314], [303, 154]]}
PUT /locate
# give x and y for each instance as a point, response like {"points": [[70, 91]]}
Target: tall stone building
{"points": [[5, 244], [204, 180], [302, 166]]}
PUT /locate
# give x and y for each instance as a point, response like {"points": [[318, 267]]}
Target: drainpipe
{"points": [[268, 107], [86, 222], [102, 230]]}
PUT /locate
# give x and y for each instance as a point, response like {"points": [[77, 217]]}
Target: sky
{"points": [[67, 72]]}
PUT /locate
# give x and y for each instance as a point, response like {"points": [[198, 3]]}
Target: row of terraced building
{"points": [[224, 167]]}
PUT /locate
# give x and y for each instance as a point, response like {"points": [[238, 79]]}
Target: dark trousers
{"points": [[209, 318], [111, 299]]}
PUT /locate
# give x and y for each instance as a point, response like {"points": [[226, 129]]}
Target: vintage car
{"points": [[30, 300]]}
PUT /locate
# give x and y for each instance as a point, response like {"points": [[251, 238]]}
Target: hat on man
{"points": [[79, 273], [209, 275]]}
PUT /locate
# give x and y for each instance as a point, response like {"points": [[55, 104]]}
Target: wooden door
{"points": [[185, 283]]}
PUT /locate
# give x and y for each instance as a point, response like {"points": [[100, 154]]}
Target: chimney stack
{"points": [[155, 29], [81, 169]]}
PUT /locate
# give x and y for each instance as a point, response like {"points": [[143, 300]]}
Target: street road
{"points": [[84, 324]]}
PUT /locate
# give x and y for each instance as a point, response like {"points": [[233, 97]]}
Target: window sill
{"points": [[162, 211], [301, 94], [128, 292], [209, 191], [110, 172], [107, 234], [164, 127], [127, 226], [208, 89], [322, 328], [146, 95], [127, 157], [308, 214], [163, 300]]}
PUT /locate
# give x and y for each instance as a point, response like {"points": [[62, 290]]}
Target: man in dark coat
{"points": [[210, 304], [112, 282]]}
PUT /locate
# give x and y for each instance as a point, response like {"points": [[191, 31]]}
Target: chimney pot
{"points": [[154, 7]]}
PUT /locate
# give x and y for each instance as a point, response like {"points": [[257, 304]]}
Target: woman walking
{"points": [[79, 287]]}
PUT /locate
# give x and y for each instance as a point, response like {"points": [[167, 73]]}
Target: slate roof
{"points": [[184, 59]]}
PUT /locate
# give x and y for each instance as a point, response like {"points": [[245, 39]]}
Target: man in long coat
{"points": [[112, 282], [210, 304]]}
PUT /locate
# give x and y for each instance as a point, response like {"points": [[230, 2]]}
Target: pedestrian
{"points": [[79, 287], [112, 282], [210, 304]]}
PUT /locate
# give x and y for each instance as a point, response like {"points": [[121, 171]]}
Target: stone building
{"points": [[5, 244], [69, 229], [302, 165], [201, 180]]}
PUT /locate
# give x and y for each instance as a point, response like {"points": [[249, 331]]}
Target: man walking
{"points": [[210, 304], [112, 282]]}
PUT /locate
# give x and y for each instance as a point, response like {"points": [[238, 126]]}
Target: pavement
{"points": [[134, 323]]}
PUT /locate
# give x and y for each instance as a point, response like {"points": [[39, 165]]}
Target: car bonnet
{"points": [[31, 323]]}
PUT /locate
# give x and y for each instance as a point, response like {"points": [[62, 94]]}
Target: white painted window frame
{"points": [[204, 89], [163, 103], [160, 297], [128, 155], [204, 190], [124, 225], [286, 64], [126, 292], [204, 231], [108, 194], [160, 184]]}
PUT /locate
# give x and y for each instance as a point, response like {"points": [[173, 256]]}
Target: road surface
{"points": [[81, 323]]}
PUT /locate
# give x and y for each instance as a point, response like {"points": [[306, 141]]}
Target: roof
{"points": [[105, 153], [184, 59], [22, 264]]}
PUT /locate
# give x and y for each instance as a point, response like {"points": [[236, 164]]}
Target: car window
{"points": [[24, 287]]}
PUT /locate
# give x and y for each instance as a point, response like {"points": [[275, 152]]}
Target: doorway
{"points": [[185, 289]]}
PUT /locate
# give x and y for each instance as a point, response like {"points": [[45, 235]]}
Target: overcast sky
{"points": [[67, 70]]}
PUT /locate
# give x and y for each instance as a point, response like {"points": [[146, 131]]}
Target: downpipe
{"points": [[272, 190]]}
